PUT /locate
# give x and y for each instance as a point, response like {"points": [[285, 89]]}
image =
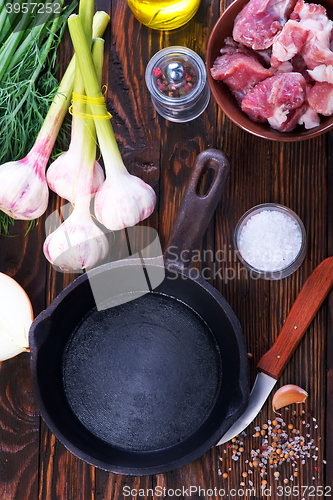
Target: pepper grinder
{"points": [[177, 80]]}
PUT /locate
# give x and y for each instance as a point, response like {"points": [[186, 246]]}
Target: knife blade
{"points": [[273, 362], [261, 389]]}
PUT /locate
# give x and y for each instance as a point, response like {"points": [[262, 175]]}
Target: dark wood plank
{"points": [[329, 359], [19, 434], [33, 463], [19, 417]]}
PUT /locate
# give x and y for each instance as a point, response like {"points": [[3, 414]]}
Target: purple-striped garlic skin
{"points": [[24, 193], [123, 201], [62, 175], [78, 243]]}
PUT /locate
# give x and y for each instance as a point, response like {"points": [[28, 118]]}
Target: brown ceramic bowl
{"points": [[222, 29]]}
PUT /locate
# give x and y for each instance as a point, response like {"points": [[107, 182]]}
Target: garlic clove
{"points": [[24, 193], [123, 201], [288, 394], [77, 244], [62, 175], [16, 316]]}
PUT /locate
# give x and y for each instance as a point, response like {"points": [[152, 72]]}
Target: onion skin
{"points": [[16, 316]]}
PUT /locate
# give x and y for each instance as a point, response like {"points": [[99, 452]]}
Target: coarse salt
{"points": [[270, 240]]}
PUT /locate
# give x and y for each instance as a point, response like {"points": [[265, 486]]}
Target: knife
{"points": [[273, 362]]}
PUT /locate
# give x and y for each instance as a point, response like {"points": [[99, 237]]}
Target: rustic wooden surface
{"points": [[33, 463]]}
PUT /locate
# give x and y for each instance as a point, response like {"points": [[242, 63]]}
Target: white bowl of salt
{"points": [[270, 241]]}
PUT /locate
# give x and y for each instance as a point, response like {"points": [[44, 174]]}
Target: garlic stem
{"points": [[89, 138], [123, 199], [58, 109], [62, 174], [86, 12], [88, 149], [100, 21], [106, 137], [46, 138]]}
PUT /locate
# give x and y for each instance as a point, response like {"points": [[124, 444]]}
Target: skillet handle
{"points": [[304, 309], [196, 211]]}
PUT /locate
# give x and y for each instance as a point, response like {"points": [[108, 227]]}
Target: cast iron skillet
{"points": [[150, 384]]}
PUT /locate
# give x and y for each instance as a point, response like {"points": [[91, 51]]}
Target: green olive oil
{"points": [[164, 14]]}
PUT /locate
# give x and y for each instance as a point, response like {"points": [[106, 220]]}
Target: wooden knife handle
{"points": [[304, 309]]}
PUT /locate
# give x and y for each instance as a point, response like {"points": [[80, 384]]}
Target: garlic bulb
{"points": [[16, 316], [123, 200], [63, 172], [24, 192], [77, 244], [288, 394]]}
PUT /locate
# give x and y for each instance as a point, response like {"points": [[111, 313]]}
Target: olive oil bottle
{"points": [[164, 14]]}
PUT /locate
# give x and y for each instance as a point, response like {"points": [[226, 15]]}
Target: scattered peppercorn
{"points": [[276, 447]]}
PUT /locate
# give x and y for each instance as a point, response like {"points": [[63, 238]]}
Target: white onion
{"points": [[16, 316]]}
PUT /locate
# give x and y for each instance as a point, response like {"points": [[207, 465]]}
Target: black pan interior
{"points": [[143, 375], [193, 335]]}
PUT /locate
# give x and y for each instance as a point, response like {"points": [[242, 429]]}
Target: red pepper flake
{"points": [[187, 88], [157, 72]]}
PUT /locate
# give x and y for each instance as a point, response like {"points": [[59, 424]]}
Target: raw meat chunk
{"points": [[309, 119], [285, 67], [280, 100], [288, 43], [258, 23], [322, 73], [308, 33], [316, 49], [299, 66], [239, 68], [231, 47], [320, 98], [288, 120]]}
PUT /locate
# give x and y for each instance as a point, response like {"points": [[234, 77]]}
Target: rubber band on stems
{"points": [[95, 101]]}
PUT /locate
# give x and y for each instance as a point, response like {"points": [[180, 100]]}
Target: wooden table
{"points": [[33, 463]]}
